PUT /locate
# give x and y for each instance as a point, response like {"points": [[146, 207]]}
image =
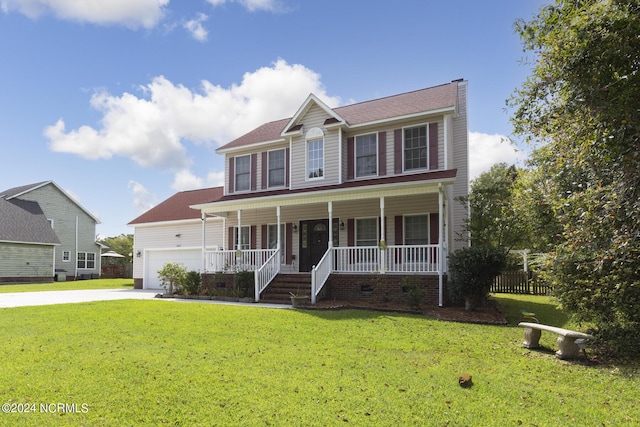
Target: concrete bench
{"points": [[569, 342]]}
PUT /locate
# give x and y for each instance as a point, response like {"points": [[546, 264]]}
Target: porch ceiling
{"points": [[331, 194]]}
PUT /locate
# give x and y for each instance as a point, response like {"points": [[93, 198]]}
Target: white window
{"points": [[66, 256], [86, 260], [276, 169], [367, 232], [243, 173], [315, 153], [416, 230], [366, 155], [272, 231], [315, 165], [244, 237], [415, 148]]}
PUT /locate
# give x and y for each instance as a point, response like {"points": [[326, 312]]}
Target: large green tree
{"points": [[122, 244], [493, 221], [582, 104]]}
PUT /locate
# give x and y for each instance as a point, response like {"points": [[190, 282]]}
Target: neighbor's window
{"points": [[366, 155], [243, 173], [415, 148], [367, 232], [416, 230], [244, 237], [86, 260], [66, 256], [276, 168]]}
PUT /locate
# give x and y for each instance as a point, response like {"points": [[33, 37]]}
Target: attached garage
{"points": [[155, 259]]}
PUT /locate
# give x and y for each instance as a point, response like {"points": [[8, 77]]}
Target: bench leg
{"points": [[567, 348], [531, 338]]}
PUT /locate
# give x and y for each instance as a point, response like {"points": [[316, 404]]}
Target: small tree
{"points": [[473, 270], [172, 274]]}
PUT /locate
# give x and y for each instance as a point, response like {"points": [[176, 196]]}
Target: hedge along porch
{"points": [[384, 227]]}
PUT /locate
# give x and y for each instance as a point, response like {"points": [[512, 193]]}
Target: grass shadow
{"points": [[546, 309]]}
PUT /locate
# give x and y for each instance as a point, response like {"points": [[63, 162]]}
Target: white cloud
{"points": [[142, 200], [186, 180], [486, 150], [153, 129], [196, 29], [130, 13], [215, 179], [251, 5]]}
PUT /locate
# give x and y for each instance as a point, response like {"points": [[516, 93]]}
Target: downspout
{"points": [[440, 245], [340, 180], [76, 267], [204, 243]]}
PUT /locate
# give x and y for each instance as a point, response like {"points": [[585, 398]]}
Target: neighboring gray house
{"points": [[27, 243], [75, 253]]}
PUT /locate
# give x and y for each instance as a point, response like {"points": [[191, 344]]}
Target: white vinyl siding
{"points": [[315, 117], [163, 236]]}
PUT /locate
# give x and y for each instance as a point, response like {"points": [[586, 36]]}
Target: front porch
{"points": [[346, 272]]}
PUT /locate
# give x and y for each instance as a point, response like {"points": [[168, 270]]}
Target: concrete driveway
{"points": [[24, 299]]}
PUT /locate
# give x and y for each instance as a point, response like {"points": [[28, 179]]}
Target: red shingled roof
{"points": [[176, 207], [402, 105]]}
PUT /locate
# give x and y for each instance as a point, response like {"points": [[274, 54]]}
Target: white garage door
{"points": [[155, 260]]}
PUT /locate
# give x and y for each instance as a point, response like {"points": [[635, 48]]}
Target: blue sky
{"points": [[123, 102]]}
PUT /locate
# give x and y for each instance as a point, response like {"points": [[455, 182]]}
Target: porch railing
{"points": [[229, 261], [320, 273], [266, 272], [393, 259]]}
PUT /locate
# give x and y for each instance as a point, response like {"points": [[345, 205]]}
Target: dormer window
{"points": [[315, 153], [243, 173]]}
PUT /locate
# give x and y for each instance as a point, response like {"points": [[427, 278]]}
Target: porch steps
{"points": [[278, 291]]}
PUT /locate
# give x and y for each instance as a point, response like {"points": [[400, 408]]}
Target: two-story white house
{"points": [[356, 197]]}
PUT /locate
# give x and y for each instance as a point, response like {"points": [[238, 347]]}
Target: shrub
{"points": [[243, 282], [473, 270], [192, 282], [172, 274], [413, 291]]}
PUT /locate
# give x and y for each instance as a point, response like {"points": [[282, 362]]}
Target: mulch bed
{"points": [[488, 314]]}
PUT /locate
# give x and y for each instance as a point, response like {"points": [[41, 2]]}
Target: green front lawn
{"points": [[191, 363], [69, 286]]}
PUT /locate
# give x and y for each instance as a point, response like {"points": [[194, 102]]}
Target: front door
{"points": [[314, 241]]}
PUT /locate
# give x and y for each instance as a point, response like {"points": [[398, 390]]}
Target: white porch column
{"points": [[440, 245], [239, 231], [330, 207], [279, 244], [204, 243], [383, 253]]}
